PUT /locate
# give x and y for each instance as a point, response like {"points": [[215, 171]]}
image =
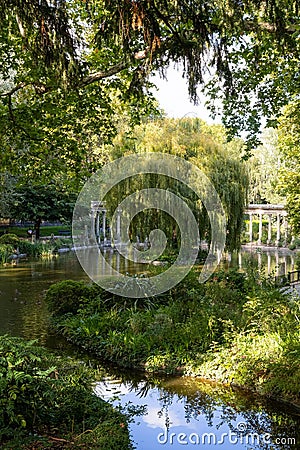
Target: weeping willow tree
{"points": [[202, 145]]}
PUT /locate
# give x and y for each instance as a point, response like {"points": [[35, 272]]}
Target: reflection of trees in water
{"points": [[220, 405]]}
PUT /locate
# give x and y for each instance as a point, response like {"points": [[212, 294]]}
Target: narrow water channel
{"points": [[174, 412]]}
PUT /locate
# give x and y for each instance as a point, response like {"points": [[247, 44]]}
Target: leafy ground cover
{"points": [[47, 402], [238, 328]]}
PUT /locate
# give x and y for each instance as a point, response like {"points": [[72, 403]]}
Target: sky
{"points": [[172, 95]]}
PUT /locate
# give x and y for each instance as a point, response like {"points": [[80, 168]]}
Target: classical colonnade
{"points": [[276, 214], [272, 212], [99, 225]]}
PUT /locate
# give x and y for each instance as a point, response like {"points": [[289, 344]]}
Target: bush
{"points": [[11, 239], [6, 250], [68, 296], [40, 393]]}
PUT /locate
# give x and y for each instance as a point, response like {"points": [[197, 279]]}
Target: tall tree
{"points": [[247, 53], [204, 146], [289, 147], [264, 167], [38, 203]]}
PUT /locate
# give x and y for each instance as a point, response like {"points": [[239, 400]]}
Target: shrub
{"points": [[67, 296], [6, 250], [10, 238], [40, 393]]}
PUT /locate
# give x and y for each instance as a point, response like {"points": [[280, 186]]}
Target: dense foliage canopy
{"points": [[289, 146], [245, 52]]}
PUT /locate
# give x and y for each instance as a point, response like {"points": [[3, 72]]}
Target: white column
{"points": [[93, 223], [104, 225], [240, 260], [259, 260], [277, 262], [269, 263], [285, 225], [292, 262], [118, 227], [98, 227], [250, 228], [269, 229], [260, 229], [278, 229]]}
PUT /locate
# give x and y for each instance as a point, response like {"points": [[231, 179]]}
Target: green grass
{"points": [[45, 230]]}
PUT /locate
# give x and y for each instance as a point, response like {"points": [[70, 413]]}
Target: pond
{"points": [[178, 411], [188, 412]]}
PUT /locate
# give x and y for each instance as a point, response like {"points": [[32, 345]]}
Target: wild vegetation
{"points": [[47, 402], [237, 328], [11, 246]]}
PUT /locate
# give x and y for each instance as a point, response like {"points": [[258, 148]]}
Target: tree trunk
{"points": [[37, 225]]}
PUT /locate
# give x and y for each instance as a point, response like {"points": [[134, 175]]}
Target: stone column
{"points": [[269, 229], [292, 262], [269, 263], [240, 260], [259, 260], [278, 229], [98, 227], [285, 225], [118, 226], [250, 228], [104, 225], [260, 229], [93, 212], [277, 262]]}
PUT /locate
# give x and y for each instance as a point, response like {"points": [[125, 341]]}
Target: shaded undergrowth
{"points": [[47, 402]]}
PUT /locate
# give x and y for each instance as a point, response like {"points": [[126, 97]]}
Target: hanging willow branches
{"points": [[202, 145], [243, 53]]}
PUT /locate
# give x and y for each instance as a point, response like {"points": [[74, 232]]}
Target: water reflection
{"points": [[23, 311], [186, 411], [173, 405], [22, 308], [270, 260], [22, 286]]}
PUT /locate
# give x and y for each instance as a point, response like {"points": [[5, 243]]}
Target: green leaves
{"points": [[41, 394], [289, 147]]}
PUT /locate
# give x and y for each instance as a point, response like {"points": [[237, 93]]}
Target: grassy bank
{"points": [[237, 328], [48, 402]]}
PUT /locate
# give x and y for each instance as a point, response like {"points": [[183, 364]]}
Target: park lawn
{"points": [[44, 230]]}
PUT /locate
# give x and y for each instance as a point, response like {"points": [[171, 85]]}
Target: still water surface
{"points": [[178, 412]]}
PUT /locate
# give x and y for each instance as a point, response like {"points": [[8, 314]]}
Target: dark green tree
{"points": [[42, 202]]}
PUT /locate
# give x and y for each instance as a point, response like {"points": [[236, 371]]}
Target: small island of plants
{"points": [[238, 328]]}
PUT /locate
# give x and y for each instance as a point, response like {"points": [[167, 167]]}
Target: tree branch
{"points": [[93, 77], [39, 88], [13, 119], [251, 25]]}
